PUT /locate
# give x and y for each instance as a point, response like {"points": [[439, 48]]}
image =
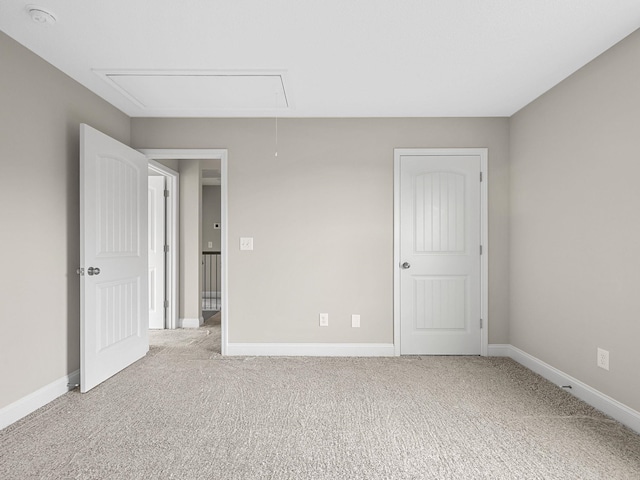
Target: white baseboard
{"points": [[311, 349], [595, 398], [23, 407], [191, 322], [499, 350]]}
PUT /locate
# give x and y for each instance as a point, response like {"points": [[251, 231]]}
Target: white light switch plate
{"points": [[246, 243]]}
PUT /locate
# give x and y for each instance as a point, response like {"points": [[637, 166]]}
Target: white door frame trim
{"points": [[172, 278], [206, 154], [484, 235]]}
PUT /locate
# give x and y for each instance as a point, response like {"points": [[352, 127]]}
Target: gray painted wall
{"points": [[321, 214], [575, 228], [170, 163], [40, 113], [190, 240], [211, 214]]}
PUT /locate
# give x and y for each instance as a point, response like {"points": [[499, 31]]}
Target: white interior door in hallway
{"points": [[157, 242], [114, 306], [439, 253]]}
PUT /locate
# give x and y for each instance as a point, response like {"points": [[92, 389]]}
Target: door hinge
{"points": [[166, 248], [166, 304], [480, 249], [480, 176], [480, 324], [166, 193]]}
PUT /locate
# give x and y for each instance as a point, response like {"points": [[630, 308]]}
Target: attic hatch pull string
{"points": [[276, 106]]}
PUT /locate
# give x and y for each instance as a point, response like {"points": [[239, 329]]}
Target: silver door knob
{"points": [[406, 265], [93, 271]]}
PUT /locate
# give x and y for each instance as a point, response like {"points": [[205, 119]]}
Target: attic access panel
{"points": [[201, 91]]}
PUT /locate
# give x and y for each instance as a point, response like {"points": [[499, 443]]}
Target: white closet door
{"points": [[440, 254]]}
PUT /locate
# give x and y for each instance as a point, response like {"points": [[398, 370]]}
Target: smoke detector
{"points": [[40, 15]]}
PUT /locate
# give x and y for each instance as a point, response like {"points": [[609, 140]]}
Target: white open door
{"points": [[114, 307], [157, 243]]}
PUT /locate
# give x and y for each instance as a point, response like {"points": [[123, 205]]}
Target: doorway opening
{"points": [[187, 276], [211, 229]]}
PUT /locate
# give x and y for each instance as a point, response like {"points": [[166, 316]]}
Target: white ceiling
{"points": [[333, 58]]}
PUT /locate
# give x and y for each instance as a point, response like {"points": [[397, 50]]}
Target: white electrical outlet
{"points": [[246, 243], [355, 321], [324, 319], [603, 358], [210, 245]]}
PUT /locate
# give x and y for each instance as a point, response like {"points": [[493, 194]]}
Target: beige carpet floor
{"points": [[186, 412]]}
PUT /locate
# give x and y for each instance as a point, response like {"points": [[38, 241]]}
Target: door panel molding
{"points": [[482, 153]]}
